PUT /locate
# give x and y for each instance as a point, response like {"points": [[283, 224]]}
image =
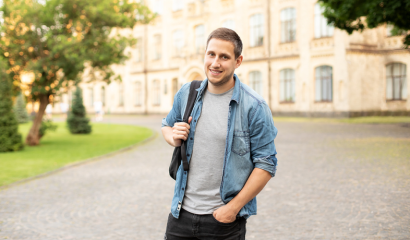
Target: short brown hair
{"points": [[227, 35]]}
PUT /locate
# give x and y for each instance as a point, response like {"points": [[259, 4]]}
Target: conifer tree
{"points": [[77, 120], [10, 139], [20, 109]]}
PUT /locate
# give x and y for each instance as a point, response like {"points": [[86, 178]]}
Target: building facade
{"points": [[299, 64]]}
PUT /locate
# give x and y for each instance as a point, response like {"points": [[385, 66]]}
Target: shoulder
{"points": [[251, 100]]}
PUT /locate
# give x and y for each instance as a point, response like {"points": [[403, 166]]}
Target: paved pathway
{"points": [[334, 181]]}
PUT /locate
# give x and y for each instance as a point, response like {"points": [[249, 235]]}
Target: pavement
{"points": [[334, 181]]}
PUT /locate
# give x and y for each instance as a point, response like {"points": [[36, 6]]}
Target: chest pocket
{"points": [[240, 144]]}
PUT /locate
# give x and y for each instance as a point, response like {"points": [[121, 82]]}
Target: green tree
{"points": [[356, 15], [20, 109], [77, 121], [10, 139], [61, 40]]}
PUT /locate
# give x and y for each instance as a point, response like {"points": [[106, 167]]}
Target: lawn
{"points": [[61, 148]]}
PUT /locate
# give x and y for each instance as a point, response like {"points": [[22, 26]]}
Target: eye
{"points": [[225, 57]]}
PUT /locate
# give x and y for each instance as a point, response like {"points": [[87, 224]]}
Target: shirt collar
{"points": [[236, 91]]}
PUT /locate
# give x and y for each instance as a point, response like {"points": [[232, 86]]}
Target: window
{"points": [[157, 47], [322, 29], [396, 87], [103, 96], [255, 81], [288, 25], [230, 23], [178, 38], [287, 85], [174, 87], [138, 94], [91, 91], [177, 5], [121, 94], [199, 38], [157, 6], [156, 94], [324, 82], [138, 50], [165, 87], [256, 23]]}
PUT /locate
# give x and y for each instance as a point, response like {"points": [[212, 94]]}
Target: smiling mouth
{"points": [[215, 71]]}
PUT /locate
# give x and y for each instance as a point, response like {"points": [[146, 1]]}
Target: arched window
{"points": [[156, 93], [288, 25], [229, 23], [199, 38], [287, 85], [138, 94], [322, 29], [255, 81], [324, 84], [396, 87], [256, 30]]}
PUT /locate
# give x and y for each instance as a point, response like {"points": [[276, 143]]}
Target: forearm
{"points": [[255, 183], [167, 132]]}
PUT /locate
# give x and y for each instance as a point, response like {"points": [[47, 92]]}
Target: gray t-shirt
{"points": [[202, 195]]}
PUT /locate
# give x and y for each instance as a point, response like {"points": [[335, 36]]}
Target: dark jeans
{"points": [[191, 226]]}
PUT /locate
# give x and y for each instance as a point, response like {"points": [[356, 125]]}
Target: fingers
{"points": [[189, 120]]}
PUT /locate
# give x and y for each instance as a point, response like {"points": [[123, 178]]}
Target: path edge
{"points": [[153, 136]]}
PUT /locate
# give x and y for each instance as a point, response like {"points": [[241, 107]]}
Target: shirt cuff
{"points": [[267, 163], [164, 123]]}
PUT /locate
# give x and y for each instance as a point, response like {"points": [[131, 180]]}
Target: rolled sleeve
{"points": [[262, 139], [175, 114], [268, 164]]}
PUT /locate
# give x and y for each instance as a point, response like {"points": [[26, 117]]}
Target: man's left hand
{"points": [[225, 214]]}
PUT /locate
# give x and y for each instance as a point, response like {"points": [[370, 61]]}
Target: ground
{"points": [[334, 181]]}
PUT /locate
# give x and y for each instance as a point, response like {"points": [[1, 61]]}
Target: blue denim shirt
{"points": [[249, 142]]}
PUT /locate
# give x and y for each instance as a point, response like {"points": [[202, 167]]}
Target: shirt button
{"points": [[185, 172], [194, 120], [191, 138], [188, 154], [183, 188]]}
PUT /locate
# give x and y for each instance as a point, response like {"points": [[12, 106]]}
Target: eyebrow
{"points": [[222, 54]]}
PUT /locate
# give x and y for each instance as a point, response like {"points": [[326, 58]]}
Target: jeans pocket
{"points": [[240, 144], [224, 224]]}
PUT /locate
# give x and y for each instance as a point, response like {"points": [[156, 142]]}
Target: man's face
{"points": [[220, 62]]}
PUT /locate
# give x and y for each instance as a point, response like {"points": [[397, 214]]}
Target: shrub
{"points": [[10, 139], [77, 121], [20, 109]]}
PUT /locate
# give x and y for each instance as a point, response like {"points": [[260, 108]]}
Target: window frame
{"points": [[288, 28], [258, 87], [287, 79], [156, 92], [256, 29], [322, 80], [199, 38], [402, 92], [322, 22]]}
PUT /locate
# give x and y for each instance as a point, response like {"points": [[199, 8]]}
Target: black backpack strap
{"points": [[190, 105]]}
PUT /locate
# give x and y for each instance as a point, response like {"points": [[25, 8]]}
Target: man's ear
{"points": [[239, 61]]}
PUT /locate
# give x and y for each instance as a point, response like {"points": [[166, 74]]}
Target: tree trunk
{"points": [[33, 137]]}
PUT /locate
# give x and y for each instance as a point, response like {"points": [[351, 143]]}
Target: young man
{"points": [[230, 148]]}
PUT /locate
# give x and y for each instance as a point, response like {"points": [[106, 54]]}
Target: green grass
{"points": [[357, 120], [61, 148]]}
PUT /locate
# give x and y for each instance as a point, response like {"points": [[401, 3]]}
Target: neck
{"points": [[218, 89]]}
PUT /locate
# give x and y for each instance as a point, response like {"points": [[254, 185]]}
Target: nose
{"points": [[215, 63]]}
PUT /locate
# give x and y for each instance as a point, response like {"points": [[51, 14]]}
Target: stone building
{"points": [[292, 58]]}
